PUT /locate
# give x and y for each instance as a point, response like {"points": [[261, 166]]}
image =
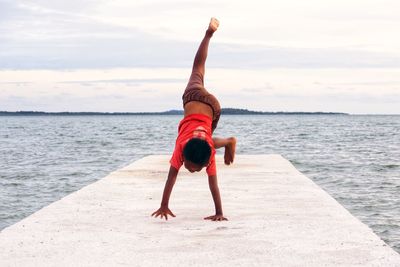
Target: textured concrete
{"points": [[277, 217]]}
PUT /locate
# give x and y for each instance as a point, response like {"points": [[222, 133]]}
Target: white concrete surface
{"points": [[277, 217]]}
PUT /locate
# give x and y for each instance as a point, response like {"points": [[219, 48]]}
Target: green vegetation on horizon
{"points": [[224, 111]]}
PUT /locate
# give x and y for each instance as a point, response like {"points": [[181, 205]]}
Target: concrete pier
{"points": [[277, 217]]}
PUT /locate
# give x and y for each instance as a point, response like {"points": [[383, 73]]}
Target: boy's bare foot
{"points": [[214, 23], [230, 149]]}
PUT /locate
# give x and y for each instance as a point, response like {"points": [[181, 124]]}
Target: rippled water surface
{"points": [[355, 158]]}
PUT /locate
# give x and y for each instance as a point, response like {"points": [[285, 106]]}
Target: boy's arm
{"points": [[164, 211], [169, 184], [213, 184]]}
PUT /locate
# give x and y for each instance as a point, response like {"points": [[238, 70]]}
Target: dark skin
{"points": [[196, 107]]}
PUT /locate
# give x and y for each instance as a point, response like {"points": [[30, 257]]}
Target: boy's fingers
{"points": [[215, 218]]}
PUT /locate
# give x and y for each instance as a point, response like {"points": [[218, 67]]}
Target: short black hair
{"points": [[197, 151]]}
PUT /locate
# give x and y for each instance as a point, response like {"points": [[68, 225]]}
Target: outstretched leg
{"points": [[202, 51], [196, 99], [230, 148]]}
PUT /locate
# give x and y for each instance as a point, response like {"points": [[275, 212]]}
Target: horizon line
{"points": [[250, 112]]}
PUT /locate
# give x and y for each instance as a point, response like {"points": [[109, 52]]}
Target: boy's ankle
{"points": [[209, 32]]}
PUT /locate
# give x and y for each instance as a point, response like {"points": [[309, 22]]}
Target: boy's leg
{"points": [[195, 90], [198, 70]]}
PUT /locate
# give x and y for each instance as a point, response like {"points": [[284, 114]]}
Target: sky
{"points": [[130, 56]]}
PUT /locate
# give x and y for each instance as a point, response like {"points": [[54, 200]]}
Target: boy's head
{"points": [[196, 154]]}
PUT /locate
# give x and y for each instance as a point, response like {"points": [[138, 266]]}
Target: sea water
{"points": [[356, 159]]}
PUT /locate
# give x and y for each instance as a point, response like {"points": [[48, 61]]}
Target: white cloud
{"points": [[271, 55], [108, 34], [131, 90]]}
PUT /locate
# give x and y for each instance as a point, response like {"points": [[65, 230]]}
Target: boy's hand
{"points": [[216, 217], [163, 211]]}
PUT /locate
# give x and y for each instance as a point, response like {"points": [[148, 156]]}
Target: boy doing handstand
{"points": [[195, 146]]}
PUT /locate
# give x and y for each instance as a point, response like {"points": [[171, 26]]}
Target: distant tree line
{"points": [[224, 111]]}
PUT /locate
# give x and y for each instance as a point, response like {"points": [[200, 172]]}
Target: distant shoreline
{"points": [[224, 111]]}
